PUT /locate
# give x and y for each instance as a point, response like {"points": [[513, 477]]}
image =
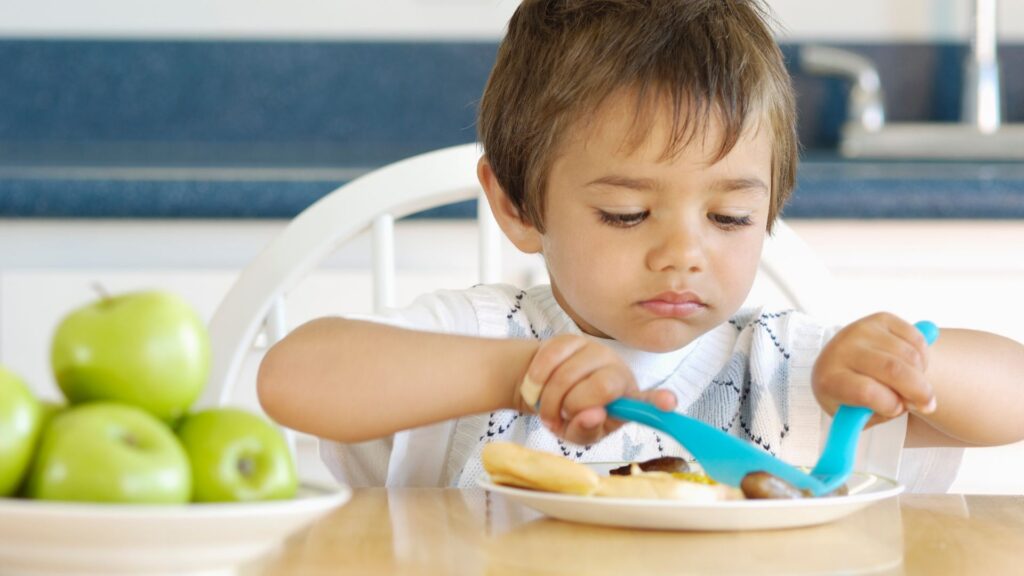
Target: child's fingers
{"points": [[857, 389], [905, 379], [908, 343], [879, 419], [904, 341], [548, 357], [569, 376], [601, 386], [589, 426]]}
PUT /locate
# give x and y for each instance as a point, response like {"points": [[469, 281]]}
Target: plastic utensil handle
{"points": [[929, 330], [847, 425]]}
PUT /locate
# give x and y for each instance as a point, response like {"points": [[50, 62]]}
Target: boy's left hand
{"points": [[878, 362]]}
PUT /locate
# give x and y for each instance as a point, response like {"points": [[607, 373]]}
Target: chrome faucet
{"points": [[981, 98], [866, 104], [980, 134]]}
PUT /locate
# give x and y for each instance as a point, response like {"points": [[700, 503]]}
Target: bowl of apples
{"points": [[126, 477]]}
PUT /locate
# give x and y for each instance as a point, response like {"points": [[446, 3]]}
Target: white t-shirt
{"points": [[750, 376]]}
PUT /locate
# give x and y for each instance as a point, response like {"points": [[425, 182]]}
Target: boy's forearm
{"points": [[979, 385], [351, 381]]}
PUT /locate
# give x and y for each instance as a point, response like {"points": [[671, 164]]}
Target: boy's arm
{"points": [[351, 380], [978, 379]]}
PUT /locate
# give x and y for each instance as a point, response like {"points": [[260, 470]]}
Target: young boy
{"points": [[644, 148]]}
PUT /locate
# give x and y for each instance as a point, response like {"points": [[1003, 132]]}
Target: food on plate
{"points": [[662, 464], [514, 465], [762, 485], [666, 478], [666, 486]]}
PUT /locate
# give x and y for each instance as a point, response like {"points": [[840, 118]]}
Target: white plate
{"points": [[678, 515], [65, 538]]}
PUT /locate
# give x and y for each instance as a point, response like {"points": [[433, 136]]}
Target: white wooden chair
{"points": [[374, 201]]}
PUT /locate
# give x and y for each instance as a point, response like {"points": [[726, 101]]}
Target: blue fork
{"points": [[728, 459]]}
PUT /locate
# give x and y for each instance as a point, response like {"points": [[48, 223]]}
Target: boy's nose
{"points": [[679, 249]]}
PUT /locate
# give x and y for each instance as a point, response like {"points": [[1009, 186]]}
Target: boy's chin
{"points": [[662, 341]]}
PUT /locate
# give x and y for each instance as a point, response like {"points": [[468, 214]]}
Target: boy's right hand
{"points": [[576, 377]]}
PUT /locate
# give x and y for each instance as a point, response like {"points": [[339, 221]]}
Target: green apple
{"points": [[49, 409], [110, 452], [21, 419], [237, 456], [149, 349]]}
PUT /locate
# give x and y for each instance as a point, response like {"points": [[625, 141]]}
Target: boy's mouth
{"points": [[674, 304]]}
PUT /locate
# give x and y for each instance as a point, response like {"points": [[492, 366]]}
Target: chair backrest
{"points": [[374, 201]]}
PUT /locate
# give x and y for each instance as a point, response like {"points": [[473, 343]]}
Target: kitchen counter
{"points": [[433, 531], [279, 182]]}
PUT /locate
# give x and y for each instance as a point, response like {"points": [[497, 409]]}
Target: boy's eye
{"points": [[624, 220], [729, 222]]}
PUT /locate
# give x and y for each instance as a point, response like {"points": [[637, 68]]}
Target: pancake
{"points": [[515, 465]]}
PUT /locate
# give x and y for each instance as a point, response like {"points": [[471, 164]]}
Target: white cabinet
{"points": [[955, 273], [966, 274]]}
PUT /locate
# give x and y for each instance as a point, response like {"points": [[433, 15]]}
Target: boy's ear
{"points": [[523, 235]]}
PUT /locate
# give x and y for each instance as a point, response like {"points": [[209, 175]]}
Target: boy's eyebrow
{"points": [[751, 184], [641, 184]]}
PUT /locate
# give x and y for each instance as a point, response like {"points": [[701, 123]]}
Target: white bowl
{"points": [[71, 538]]}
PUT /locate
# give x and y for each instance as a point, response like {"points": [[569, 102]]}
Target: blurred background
{"points": [[149, 143]]}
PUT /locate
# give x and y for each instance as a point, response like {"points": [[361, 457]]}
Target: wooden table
{"points": [[451, 532]]}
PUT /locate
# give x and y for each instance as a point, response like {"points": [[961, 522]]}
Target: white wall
{"points": [[860, 20]]}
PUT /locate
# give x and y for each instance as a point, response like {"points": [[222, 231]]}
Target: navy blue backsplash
{"points": [[348, 103], [360, 97], [354, 106]]}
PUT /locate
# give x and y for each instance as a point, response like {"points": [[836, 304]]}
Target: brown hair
{"points": [[562, 58]]}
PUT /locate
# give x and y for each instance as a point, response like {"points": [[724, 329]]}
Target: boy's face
{"points": [[654, 252]]}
